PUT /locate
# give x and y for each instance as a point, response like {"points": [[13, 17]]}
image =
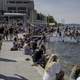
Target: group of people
{"points": [[32, 46], [73, 33], [36, 48], [18, 43], [55, 71], [8, 32], [70, 32]]}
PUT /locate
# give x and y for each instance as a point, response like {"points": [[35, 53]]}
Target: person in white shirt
{"points": [[78, 78], [52, 68]]}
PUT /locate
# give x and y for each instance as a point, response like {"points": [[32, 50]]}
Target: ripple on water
{"points": [[68, 52]]}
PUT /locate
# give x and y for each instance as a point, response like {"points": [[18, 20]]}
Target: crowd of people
{"points": [[36, 48], [71, 32], [53, 69], [8, 32]]}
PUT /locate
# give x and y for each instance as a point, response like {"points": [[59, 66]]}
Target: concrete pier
{"points": [[13, 65]]}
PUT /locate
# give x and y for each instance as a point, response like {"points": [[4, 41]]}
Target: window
{"points": [[11, 8], [19, 2], [21, 11], [22, 8], [10, 11], [26, 2], [11, 2]]}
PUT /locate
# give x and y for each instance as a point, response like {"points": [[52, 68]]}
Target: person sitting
{"points": [[34, 45], [27, 49], [22, 42], [53, 69], [41, 61], [37, 56], [43, 48], [15, 44]]}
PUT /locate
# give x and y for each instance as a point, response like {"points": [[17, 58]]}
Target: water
{"points": [[68, 52]]}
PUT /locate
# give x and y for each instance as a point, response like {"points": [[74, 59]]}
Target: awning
{"points": [[14, 14]]}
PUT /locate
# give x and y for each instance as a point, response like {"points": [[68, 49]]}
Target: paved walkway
{"points": [[13, 65]]}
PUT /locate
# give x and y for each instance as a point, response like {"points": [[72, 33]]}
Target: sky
{"points": [[65, 11]]}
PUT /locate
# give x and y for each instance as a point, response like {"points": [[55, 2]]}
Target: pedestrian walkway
{"points": [[13, 65]]}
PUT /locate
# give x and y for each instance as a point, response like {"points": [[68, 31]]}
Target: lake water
{"points": [[67, 51]]}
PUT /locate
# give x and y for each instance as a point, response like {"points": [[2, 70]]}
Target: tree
{"points": [[50, 19]]}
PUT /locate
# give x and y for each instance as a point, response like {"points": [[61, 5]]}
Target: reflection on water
{"points": [[68, 52]]}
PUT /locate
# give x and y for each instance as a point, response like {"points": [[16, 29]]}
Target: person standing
{"points": [[43, 39], [6, 33], [11, 31], [0, 41], [2, 31]]}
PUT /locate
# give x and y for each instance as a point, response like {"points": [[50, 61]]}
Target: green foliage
{"points": [[50, 19]]}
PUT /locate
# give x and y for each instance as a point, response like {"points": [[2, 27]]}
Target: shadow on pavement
{"points": [[7, 60], [18, 77]]}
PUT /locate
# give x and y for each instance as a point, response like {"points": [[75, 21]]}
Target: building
{"points": [[17, 9], [39, 19], [21, 11]]}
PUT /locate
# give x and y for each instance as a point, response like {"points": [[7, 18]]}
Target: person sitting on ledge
{"points": [[53, 69], [38, 56], [15, 44], [43, 47]]}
